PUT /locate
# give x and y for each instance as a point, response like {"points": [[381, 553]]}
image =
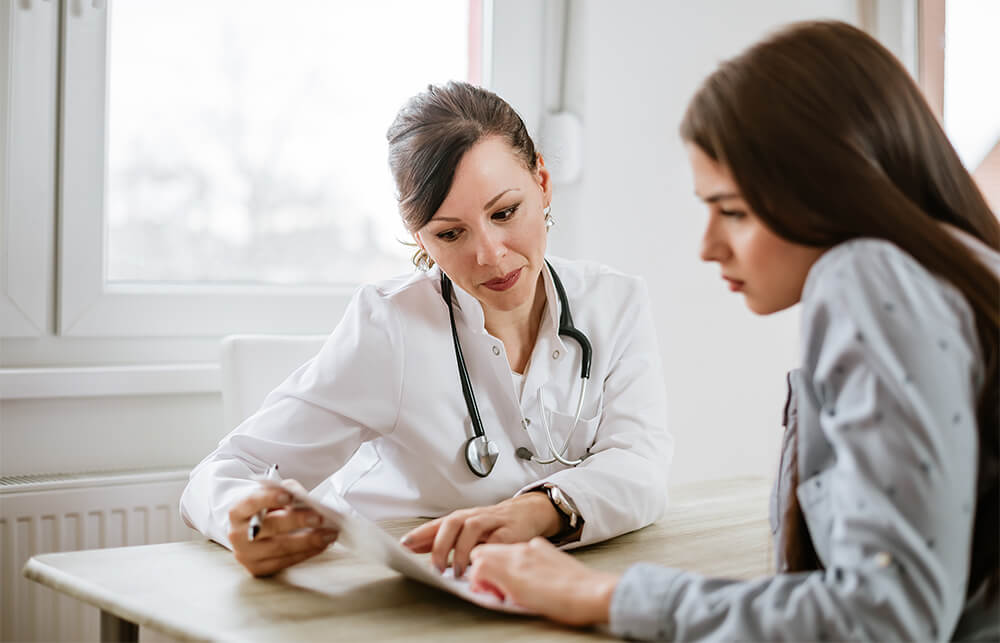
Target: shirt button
{"points": [[496, 350], [883, 559], [555, 354], [526, 422]]}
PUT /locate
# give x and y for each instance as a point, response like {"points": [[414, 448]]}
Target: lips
{"points": [[504, 283], [735, 285]]}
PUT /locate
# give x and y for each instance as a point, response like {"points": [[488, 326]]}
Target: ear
{"points": [[544, 180]]}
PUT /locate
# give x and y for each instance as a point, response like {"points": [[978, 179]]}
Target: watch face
{"points": [[562, 504]]}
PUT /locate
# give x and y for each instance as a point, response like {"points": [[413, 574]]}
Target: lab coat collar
{"points": [[472, 310]]}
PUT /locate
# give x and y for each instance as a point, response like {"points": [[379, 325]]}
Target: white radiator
{"points": [[42, 514]]}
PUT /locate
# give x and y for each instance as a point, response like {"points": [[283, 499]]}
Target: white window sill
{"points": [[101, 381]]}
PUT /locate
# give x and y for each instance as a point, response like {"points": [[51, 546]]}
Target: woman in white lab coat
{"points": [[379, 418]]}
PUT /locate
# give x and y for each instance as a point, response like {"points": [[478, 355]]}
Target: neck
{"points": [[518, 328]]}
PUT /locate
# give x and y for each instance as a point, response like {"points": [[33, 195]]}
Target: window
{"points": [[223, 165], [958, 51], [971, 91], [267, 160], [147, 229]]}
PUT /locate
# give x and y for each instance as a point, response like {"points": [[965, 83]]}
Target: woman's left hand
{"points": [[515, 520], [537, 576]]}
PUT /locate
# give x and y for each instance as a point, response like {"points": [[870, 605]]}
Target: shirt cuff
{"points": [[639, 606]]}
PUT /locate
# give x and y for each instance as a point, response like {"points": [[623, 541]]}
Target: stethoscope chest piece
{"points": [[481, 454]]}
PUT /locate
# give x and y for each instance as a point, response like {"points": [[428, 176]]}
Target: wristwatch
{"points": [[569, 515]]}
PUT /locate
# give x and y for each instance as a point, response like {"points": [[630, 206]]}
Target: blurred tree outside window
{"points": [[247, 138]]}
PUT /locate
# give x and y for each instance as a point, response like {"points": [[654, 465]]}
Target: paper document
{"points": [[367, 540]]}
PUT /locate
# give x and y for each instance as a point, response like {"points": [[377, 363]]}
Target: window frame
{"points": [[27, 165], [90, 307]]}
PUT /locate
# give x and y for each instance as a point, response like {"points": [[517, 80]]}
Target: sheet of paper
{"points": [[367, 540]]}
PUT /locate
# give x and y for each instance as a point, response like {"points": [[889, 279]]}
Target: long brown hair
{"points": [[829, 139], [431, 133]]}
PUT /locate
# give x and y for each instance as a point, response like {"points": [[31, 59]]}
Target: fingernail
{"points": [[405, 540], [329, 538]]}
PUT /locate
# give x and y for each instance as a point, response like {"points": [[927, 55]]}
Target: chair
{"points": [[253, 365]]}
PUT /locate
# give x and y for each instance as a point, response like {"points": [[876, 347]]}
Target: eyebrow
{"points": [[719, 196], [487, 206]]}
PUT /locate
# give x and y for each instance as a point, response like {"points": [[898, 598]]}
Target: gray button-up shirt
{"points": [[884, 410]]}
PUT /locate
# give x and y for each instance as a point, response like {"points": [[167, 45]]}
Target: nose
{"points": [[491, 247], [713, 244]]}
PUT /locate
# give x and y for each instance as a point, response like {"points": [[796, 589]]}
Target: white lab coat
{"points": [[378, 416]]}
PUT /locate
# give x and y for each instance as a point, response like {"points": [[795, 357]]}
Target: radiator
{"points": [[42, 514]]}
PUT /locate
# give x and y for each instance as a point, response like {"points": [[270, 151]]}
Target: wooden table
{"points": [[196, 590]]}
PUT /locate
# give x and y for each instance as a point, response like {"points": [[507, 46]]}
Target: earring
{"points": [[549, 221], [422, 260]]}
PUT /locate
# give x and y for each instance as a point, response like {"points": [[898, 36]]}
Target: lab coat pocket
{"points": [[577, 441]]}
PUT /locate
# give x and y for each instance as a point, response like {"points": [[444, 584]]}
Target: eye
{"points": [[733, 214], [506, 213], [448, 235]]}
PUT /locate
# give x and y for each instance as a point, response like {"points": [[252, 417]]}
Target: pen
{"points": [[255, 520]]}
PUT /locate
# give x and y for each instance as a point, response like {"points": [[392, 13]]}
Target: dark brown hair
{"points": [[829, 139], [432, 132]]}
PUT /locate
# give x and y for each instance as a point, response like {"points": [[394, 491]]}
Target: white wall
{"points": [[632, 66]]}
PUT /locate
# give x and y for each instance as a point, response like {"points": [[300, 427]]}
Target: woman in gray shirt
{"points": [[829, 182]]}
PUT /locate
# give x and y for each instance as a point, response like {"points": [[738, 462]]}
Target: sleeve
{"points": [[313, 422], [893, 374], [622, 485]]}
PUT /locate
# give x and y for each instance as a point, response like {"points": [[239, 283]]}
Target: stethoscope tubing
{"points": [[557, 455], [566, 328], [463, 372]]}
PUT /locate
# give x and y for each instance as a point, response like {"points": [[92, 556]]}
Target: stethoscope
{"points": [[480, 452]]}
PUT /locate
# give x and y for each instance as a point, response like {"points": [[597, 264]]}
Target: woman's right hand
{"points": [[288, 535]]}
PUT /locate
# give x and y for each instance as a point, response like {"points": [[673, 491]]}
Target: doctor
{"points": [[451, 392]]}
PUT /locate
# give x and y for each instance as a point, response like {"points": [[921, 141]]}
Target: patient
{"points": [[828, 182]]}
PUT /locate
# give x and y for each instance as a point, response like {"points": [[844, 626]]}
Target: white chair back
{"points": [[253, 365]]}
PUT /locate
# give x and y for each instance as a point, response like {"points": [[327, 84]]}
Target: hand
{"points": [[545, 580], [514, 520], [288, 534]]}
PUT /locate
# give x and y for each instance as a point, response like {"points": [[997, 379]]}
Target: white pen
{"points": [[255, 520]]}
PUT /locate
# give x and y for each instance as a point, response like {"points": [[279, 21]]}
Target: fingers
{"points": [[487, 587], [445, 538], [271, 555], [272, 566], [488, 551], [293, 485], [488, 572], [459, 532], [265, 556], [260, 500], [281, 521], [474, 530], [287, 535], [421, 539]]}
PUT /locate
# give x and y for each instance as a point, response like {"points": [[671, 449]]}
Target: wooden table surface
{"points": [[197, 590]]}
